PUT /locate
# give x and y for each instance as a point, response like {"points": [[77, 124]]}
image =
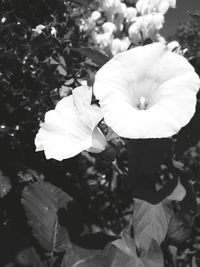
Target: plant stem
{"points": [[51, 259]]}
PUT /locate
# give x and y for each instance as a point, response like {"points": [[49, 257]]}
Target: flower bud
{"points": [[109, 27], [131, 14], [96, 15], [134, 33], [38, 30]]}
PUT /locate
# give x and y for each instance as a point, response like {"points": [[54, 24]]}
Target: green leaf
{"points": [[41, 201], [5, 185], [80, 257], [126, 244], [29, 257], [180, 227], [150, 224], [97, 57], [83, 2], [153, 258]]}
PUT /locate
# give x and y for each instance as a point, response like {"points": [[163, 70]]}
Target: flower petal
{"points": [[89, 114], [99, 142], [165, 79], [68, 129], [179, 192]]}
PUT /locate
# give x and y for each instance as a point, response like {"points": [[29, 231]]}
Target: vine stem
{"points": [[54, 240], [51, 259]]}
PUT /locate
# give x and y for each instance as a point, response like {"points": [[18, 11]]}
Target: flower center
{"points": [[142, 103]]}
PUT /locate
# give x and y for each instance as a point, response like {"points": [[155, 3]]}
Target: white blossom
{"points": [[103, 39], [131, 14], [134, 32], [71, 127], [147, 92], [53, 31], [119, 45], [95, 16], [150, 6], [109, 27], [38, 29]]}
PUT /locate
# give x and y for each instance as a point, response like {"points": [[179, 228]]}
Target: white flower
{"points": [[109, 27], [87, 25], [71, 127], [163, 7], [146, 26], [3, 20], [53, 31], [110, 5], [174, 45], [103, 39], [134, 32], [147, 92], [96, 15], [38, 30], [125, 43], [160, 38], [150, 6], [116, 46], [131, 14], [150, 24], [119, 45]]}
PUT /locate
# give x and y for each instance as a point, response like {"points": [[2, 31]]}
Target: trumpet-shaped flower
{"points": [[71, 127], [147, 92]]}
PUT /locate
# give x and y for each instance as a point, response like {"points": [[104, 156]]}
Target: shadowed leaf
{"points": [[153, 258], [83, 2], [41, 202], [79, 257], [29, 257], [150, 224], [96, 56], [190, 134]]}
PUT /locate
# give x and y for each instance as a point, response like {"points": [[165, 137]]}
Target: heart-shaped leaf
{"points": [[80, 257], [41, 201], [153, 258], [150, 224]]}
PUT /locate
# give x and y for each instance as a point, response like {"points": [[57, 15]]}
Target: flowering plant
{"points": [[121, 183], [146, 95]]}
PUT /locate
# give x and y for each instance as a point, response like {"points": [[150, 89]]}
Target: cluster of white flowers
{"points": [[115, 26]]}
